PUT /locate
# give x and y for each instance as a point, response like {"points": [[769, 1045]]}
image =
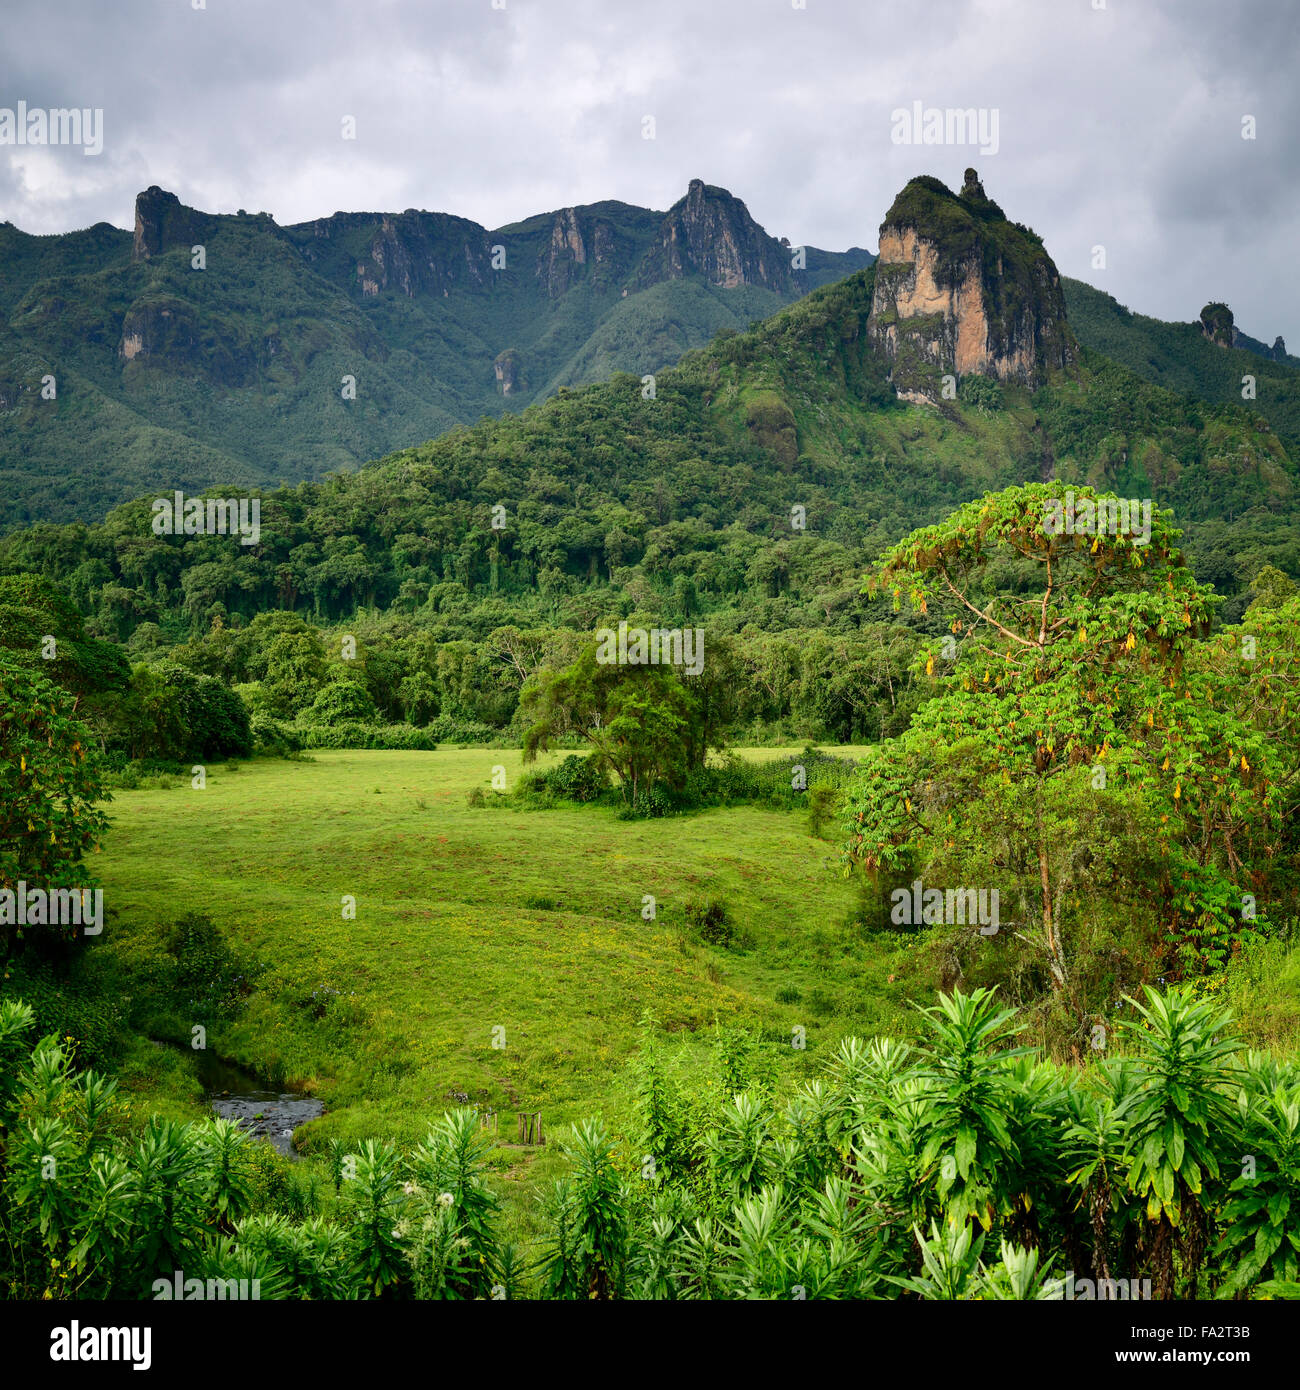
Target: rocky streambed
{"points": [[238, 1095]]}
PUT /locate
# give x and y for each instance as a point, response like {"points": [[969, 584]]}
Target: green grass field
{"points": [[470, 919]]}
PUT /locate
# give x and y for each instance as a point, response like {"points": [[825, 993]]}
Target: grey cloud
{"points": [[1119, 127]]}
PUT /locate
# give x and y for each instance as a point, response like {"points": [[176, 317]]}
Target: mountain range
{"points": [[754, 481], [205, 350]]}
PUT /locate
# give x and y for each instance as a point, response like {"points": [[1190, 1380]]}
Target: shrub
{"points": [[215, 718], [649, 804], [577, 778], [980, 391], [208, 974], [273, 736], [823, 804], [446, 729], [710, 922], [71, 1003], [341, 702]]}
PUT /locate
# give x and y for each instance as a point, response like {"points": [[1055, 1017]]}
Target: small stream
{"points": [[236, 1094]]}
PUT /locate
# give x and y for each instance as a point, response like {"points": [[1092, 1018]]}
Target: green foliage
{"points": [[236, 377], [893, 1171], [587, 1256], [210, 978], [575, 778], [50, 784], [709, 920], [644, 723], [1082, 738], [1258, 1222], [981, 392], [1179, 357]]}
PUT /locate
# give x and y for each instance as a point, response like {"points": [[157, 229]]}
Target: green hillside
{"points": [[170, 376], [681, 504], [1180, 357]]}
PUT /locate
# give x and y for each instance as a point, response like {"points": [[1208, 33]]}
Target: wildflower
{"points": [[444, 1199]]}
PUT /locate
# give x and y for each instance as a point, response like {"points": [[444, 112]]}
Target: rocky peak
{"points": [[959, 289], [412, 252], [710, 233], [1217, 326], [161, 221]]}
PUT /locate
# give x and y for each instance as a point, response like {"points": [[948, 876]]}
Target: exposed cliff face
{"points": [[509, 372], [165, 331], [960, 290], [1217, 326], [410, 252], [710, 233], [578, 239], [163, 221]]}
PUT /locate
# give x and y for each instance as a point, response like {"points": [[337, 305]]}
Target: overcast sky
{"points": [[1119, 127]]}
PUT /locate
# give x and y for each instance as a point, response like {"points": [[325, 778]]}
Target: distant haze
{"points": [[1118, 127]]}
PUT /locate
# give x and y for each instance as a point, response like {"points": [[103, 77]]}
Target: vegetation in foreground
{"points": [[963, 1167]]}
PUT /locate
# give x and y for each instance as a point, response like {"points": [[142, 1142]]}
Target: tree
{"points": [[215, 718], [33, 611], [341, 702], [1071, 737], [50, 784], [295, 670], [638, 719]]}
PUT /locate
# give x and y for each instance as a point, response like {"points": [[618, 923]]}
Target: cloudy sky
{"points": [[1118, 127]]}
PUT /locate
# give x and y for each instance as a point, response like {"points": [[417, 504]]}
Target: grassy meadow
{"points": [[474, 918]]}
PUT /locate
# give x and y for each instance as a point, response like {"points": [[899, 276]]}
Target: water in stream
{"points": [[238, 1095]]}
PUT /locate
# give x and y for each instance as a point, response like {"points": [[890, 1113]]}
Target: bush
{"points": [[823, 803], [341, 702], [67, 1003], [710, 922], [209, 977], [980, 391], [577, 778], [132, 774], [273, 736], [215, 718], [446, 729], [655, 801]]}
